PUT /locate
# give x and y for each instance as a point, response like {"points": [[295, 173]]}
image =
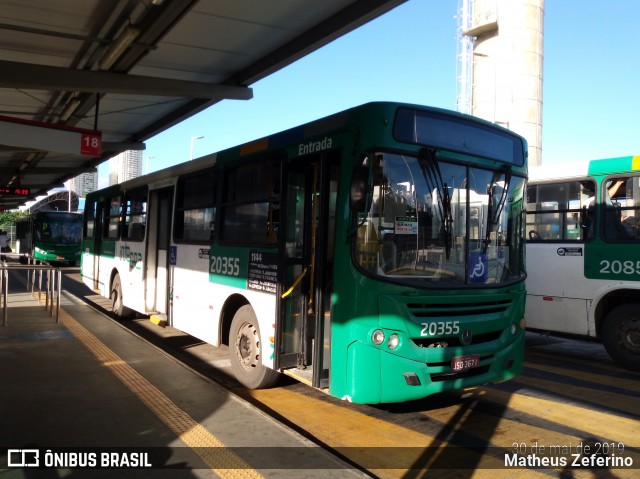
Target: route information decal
{"points": [[263, 272]]}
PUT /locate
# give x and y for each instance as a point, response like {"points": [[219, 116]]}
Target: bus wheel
{"points": [[118, 308], [245, 351], [621, 335]]}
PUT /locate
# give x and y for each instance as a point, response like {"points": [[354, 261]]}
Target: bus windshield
{"points": [[59, 231], [444, 223]]}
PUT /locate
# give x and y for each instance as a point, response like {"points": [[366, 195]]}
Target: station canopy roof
{"points": [[81, 81]]}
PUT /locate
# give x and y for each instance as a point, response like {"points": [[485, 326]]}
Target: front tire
{"points": [[621, 335], [246, 349], [117, 306]]}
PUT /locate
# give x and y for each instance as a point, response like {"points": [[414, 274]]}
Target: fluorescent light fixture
{"points": [[118, 47], [69, 109]]}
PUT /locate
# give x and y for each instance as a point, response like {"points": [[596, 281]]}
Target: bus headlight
{"points": [[377, 337], [393, 342], [514, 329]]}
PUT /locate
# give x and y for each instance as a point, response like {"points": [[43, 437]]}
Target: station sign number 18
{"points": [[91, 144]]}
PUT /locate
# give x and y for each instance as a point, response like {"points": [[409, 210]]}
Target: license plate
{"points": [[462, 363]]}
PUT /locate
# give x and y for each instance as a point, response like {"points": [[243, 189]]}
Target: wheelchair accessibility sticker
{"points": [[478, 267]]}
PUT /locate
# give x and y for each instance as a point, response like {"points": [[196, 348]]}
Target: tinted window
{"points": [[251, 207], [195, 207], [561, 211]]}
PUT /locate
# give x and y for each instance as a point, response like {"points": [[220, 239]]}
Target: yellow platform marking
{"points": [[225, 463], [348, 428], [592, 423], [602, 379], [626, 404], [297, 377], [503, 432], [589, 422], [568, 361]]}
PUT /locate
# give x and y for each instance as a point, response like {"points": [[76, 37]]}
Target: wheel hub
{"points": [[631, 336], [248, 347]]}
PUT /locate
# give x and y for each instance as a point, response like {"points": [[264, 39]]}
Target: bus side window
{"points": [[89, 219], [250, 208], [588, 220], [620, 208], [195, 212], [113, 218], [561, 211], [136, 231], [135, 214]]}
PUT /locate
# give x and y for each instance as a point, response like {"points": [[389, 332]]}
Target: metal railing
{"points": [[49, 282]]}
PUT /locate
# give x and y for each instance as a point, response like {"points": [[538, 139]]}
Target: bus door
{"points": [[97, 242], [158, 250], [307, 244]]}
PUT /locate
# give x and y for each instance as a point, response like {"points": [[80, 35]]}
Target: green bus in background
{"points": [[52, 236], [376, 254]]}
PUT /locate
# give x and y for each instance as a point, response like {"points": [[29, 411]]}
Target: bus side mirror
{"points": [[359, 189]]}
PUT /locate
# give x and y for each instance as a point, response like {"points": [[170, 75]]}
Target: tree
{"points": [[9, 218]]}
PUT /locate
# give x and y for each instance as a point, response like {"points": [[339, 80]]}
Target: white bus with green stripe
{"points": [[376, 254], [583, 253]]}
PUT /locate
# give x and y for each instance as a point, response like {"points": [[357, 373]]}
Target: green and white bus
{"points": [[376, 254], [52, 236], [583, 226]]}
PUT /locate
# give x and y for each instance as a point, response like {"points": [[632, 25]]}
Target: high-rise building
{"points": [[85, 183], [126, 166]]}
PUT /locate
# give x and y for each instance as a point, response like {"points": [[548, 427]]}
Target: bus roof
{"points": [[314, 129], [614, 165], [552, 172], [580, 169]]}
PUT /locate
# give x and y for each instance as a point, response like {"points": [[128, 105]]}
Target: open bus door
{"points": [[158, 251], [96, 248], [307, 226]]}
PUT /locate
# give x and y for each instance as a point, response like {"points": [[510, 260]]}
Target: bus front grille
{"points": [[454, 341], [456, 309], [491, 309]]}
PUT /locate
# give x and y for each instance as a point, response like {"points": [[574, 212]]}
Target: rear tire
{"points": [[117, 306], [246, 349], [621, 335]]}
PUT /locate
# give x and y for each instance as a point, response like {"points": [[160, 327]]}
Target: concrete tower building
{"points": [[505, 62], [126, 166], [85, 183]]}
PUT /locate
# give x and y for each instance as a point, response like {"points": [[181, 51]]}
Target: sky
{"points": [[591, 82]]}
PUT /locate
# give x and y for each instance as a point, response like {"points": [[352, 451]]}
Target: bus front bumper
{"points": [[377, 376]]}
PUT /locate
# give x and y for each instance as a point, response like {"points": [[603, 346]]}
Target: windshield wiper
{"points": [[433, 177], [493, 216]]}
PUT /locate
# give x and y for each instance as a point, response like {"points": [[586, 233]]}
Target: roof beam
{"points": [[46, 137], [355, 14], [123, 146], [42, 170], [40, 77]]}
